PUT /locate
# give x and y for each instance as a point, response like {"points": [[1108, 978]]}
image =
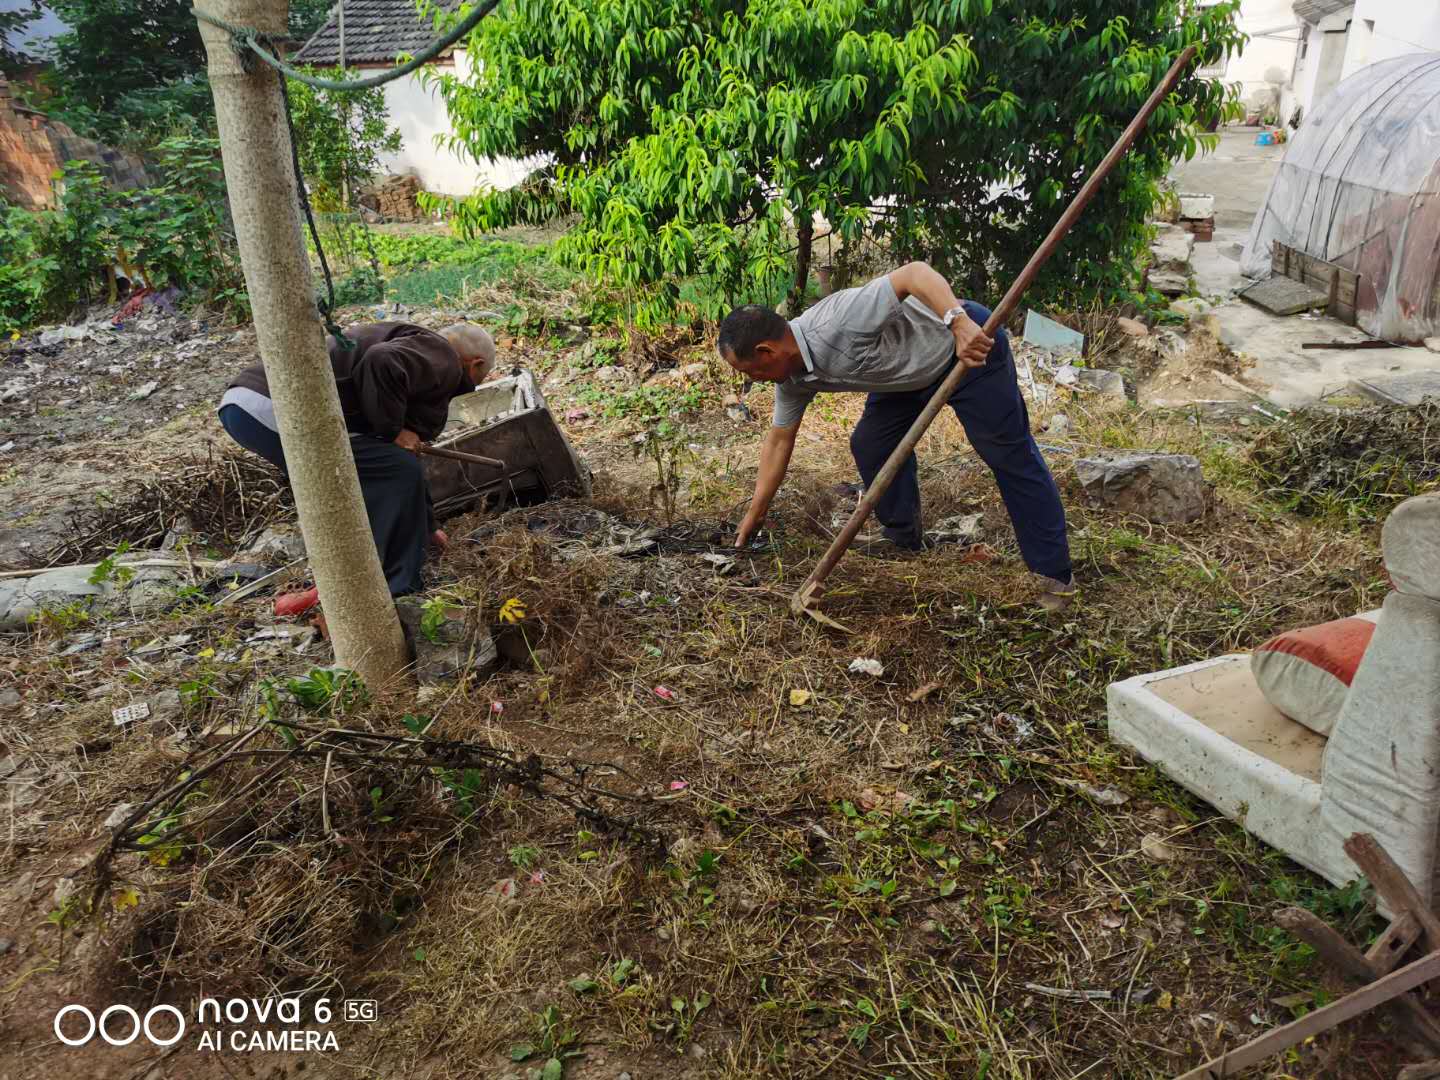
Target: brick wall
{"points": [[33, 147]]}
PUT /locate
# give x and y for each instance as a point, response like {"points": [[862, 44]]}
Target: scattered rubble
{"points": [[1101, 381], [1158, 487]]}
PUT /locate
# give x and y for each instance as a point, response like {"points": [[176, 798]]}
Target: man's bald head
{"points": [[475, 346]]}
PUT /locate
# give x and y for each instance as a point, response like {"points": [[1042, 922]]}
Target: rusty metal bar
{"points": [[461, 455], [801, 600]]}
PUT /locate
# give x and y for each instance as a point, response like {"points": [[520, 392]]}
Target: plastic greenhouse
{"points": [[1359, 187]]}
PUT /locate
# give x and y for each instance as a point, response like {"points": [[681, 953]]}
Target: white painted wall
{"points": [[1268, 58], [420, 115], [1400, 27], [1363, 34]]}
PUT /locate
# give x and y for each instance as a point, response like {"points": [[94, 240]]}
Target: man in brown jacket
{"points": [[395, 387]]}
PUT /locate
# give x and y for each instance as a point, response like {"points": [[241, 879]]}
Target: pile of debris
{"points": [[393, 198]]}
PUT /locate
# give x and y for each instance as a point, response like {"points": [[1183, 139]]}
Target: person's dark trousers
{"points": [[392, 482], [992, 411]]}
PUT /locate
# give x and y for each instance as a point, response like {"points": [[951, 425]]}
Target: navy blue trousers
{"points": [[992, 411], [392, 483]]}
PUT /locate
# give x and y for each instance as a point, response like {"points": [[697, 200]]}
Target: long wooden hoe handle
{"points": [[802, 599]]}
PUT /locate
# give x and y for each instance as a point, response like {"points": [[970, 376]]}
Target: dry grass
{"points": [[857, 883], [224, 497]]}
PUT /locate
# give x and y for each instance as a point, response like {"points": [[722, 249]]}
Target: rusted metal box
{"points": [[506, 419]]}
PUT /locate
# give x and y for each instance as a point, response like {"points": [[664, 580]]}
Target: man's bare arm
{"points": [[919, 280], [775, 454]]}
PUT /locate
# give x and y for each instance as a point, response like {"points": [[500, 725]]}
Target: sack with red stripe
{"points": [[1306, 673]]}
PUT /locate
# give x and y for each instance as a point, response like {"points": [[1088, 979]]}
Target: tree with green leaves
{"points": [[115, 47], [307, 16], [12, 25], [340, 135], [700, 139]]}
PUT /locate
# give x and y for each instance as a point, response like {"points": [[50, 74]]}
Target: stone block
{"points": [[1155, 486], [1171, 249], [457, 648]]}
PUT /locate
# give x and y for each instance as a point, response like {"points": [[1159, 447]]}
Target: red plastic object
{"points": [[296, 603]]}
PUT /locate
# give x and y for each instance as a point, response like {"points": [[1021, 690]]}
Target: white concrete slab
{"points": [[1208, 728]]}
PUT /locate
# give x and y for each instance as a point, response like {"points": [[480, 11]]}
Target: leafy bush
{"points": [[691, 139], [175, 233], [340, 137], [24, 297]]}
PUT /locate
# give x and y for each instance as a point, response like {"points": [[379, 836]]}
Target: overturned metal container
{"points": [[509, 420]]}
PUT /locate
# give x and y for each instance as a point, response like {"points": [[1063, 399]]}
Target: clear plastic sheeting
{"points": [[1360, 187]]}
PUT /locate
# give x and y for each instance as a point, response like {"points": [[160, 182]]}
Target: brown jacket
{"points": [[399, 375]]}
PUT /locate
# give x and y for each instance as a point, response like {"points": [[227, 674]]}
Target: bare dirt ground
{"points": [[87, 415], [855, 875]]}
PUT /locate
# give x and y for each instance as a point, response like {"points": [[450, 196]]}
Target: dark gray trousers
{"points": [[392, 482]]}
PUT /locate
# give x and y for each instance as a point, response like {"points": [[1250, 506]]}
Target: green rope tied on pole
{"points": [[249, 42], [247, 38], [326, 303]]}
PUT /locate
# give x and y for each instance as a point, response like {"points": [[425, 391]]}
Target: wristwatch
{"points": [[953, 314]]}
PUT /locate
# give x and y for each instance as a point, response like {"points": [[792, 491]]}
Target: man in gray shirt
{"points": [[896, 339]]}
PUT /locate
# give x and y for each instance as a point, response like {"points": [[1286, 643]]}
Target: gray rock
{"points": [[5, 945], [1101, 381], [739, 412], [1170, 282], [460, 648], [152, 589], [1159, 487], [276, 544], [1190, 306], [1433, 344], [613, 374], [1171, 249], [10, 699], [118, 815], [956, 529], [53, 589]]}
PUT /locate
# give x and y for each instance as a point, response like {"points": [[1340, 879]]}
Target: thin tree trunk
{"points": [[805, 233], [255, 147]]}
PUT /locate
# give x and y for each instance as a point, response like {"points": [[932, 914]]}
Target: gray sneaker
{"points": [[1056, 595]]}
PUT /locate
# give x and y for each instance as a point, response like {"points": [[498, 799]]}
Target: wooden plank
{"points": [[1341, 286], [1392, 885], [1391, 946], [1383, 989], [1345, 958]]}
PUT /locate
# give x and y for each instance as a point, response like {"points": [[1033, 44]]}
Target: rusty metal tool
{"points": [[808, 594], [461, 455]]}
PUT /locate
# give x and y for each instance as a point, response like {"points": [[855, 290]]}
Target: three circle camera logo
{"points": [[236, 1025], [101, 1025]]}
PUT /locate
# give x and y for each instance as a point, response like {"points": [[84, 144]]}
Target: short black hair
{"points": [[748, 326]]}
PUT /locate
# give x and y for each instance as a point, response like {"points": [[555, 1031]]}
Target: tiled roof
{"points": [[1315, 10], [376, 31]]}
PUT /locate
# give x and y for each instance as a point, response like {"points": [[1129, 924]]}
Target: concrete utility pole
{"points": [[255, 145]]}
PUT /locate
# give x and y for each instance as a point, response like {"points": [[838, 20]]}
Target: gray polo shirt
{"points": [[864, 339]]}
